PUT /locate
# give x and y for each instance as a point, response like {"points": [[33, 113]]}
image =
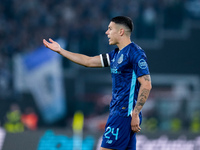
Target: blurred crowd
{"points": [[24, 23], [18, 121]]}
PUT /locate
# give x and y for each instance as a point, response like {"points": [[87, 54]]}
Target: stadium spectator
{"points": [[13, 122], [30, 119]]}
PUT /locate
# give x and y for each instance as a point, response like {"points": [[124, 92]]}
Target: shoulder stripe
{"points": [[131, 96]]}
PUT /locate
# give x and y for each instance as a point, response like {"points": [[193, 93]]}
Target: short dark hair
{"points": [[124, 20]]}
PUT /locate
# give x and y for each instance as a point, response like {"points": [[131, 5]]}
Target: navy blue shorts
{"points": [[118, 134]]}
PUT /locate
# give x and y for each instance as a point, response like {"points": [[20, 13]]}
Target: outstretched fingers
{"points": [[45, 43], [51, 40], [52, 45]]}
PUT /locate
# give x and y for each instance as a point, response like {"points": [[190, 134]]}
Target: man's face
{"points": [[113, 33]]}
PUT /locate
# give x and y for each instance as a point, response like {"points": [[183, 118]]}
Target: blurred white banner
{"points": [[40, 72]]}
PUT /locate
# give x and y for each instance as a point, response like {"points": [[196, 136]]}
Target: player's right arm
{"points": [[74, 57]]}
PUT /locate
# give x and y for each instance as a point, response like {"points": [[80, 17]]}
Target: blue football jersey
{"points": [[126, 66]]}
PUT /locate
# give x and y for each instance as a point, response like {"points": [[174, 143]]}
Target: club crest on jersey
{"points": [[120, 60], [142, 64]]}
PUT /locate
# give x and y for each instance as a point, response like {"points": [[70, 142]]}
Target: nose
{"points": [[106, 32]]}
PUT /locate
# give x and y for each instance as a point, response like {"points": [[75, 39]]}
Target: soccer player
{"points": [[131, 83]]}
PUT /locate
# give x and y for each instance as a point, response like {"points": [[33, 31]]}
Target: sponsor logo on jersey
{"points": [[142, 64], [115, 71]]}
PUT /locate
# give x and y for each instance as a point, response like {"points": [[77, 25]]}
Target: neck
{"points": [[123, 43]]}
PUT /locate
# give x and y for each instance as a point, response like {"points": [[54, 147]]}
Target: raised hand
{"points": [[52, 45]]}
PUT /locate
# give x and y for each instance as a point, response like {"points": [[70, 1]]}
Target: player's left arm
{"points": [[145, 88]]}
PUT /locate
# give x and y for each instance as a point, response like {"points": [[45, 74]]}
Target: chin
{"points": [[111, 43]]}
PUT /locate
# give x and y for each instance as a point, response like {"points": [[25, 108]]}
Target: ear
{"points": [[121, 31]]}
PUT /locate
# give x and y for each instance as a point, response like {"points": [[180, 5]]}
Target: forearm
{"points": [[142, 97], [81, 59], [75, 57], [145, 88]]}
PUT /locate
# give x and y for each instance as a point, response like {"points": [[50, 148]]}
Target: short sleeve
{"points": [[139, 63]]}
